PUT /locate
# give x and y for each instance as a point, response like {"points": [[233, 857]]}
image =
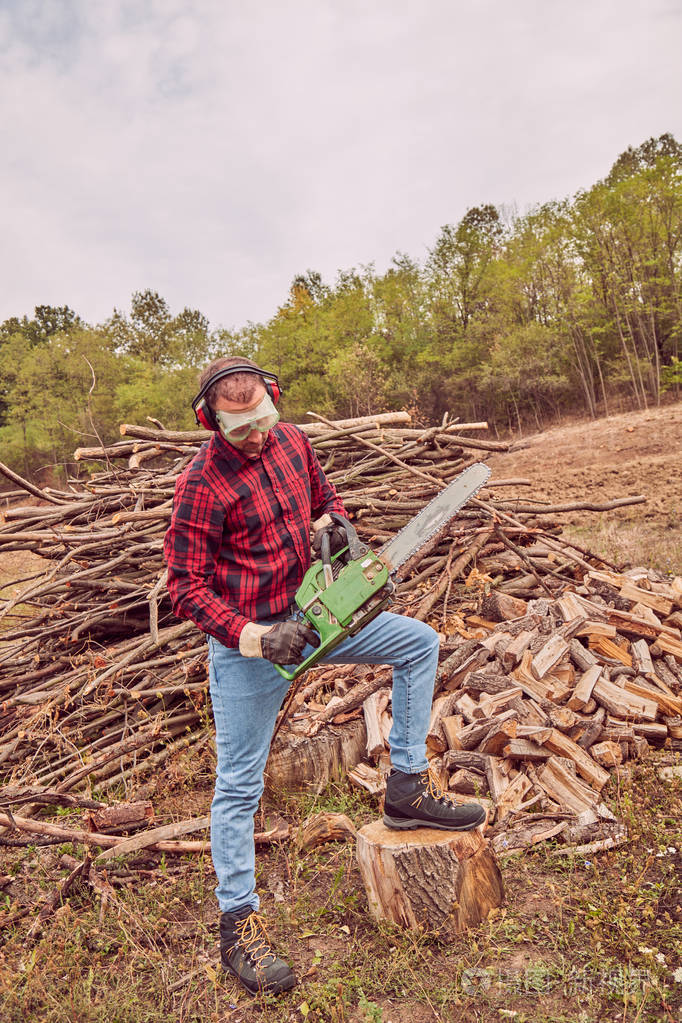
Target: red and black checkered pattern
{"points": [[238, 543]]}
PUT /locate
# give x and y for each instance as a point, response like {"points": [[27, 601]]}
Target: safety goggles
{"points": [[236, 426]]}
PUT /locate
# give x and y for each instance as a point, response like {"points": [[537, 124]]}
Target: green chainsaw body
{"points": [[340, 594], [360, 590]]}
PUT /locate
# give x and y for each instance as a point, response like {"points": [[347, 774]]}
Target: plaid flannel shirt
{"points": [[238, 543]]}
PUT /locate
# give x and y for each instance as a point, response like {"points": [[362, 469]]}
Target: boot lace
{"points": [[434, 789], [252, 938]]}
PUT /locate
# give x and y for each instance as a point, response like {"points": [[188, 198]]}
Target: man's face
{"points": [[252, 445]]}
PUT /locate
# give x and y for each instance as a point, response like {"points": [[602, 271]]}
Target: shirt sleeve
{"points": [[323, 496], [191, 548]]}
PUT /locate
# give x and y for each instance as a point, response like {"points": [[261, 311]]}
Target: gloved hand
{"points": [[337, 538], [282, 643]]}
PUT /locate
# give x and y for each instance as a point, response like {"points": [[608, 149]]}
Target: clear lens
{"points": [[236, 426], [262, 425]]}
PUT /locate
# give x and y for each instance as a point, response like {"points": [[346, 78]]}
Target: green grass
{"points": [[656, 544]]}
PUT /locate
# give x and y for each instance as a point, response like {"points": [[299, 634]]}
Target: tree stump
{"points": [[442, 881], [302, 763]]}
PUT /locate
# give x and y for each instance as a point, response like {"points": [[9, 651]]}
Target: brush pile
{"points": [[99, 683]]}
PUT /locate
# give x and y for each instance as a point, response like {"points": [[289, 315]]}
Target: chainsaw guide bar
{"points": [[434, 516]]}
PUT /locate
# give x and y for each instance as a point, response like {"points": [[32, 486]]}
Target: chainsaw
{"points": [[342, 593]]}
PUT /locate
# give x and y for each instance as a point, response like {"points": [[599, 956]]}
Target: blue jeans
{"points": [[247, 694]]}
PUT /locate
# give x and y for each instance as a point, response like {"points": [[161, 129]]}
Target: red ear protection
{"points": [[204, 414]]}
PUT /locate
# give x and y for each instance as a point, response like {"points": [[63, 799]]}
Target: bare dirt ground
{"points": [[627, 454]]}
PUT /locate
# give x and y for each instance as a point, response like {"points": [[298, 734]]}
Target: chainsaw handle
{"points": [[356, 548]]}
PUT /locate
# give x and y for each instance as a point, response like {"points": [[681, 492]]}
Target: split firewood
{"points": [[516, 649], [452, 726], [607, 753], [372, 779], [468, 782], [324, 827], [442, 707], [582, 693], [622, 703], [563, 787], [372, 709]]}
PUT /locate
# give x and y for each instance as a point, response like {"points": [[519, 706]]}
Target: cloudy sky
{"points": [[212, 149]]}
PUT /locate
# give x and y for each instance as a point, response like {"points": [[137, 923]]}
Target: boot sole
{"points": [[410, 823], [259, 989]]}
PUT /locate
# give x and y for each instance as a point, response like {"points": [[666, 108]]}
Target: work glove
{"points": [[337, 538], [282, 643]]}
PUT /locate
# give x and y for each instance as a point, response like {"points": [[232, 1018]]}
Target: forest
{"points": [[572, 307]]}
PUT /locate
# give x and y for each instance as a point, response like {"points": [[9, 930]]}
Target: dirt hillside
{"points": [[627, 454]]}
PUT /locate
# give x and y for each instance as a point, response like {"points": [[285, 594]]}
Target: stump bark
{"points": [[302, 763], [442, 881]]}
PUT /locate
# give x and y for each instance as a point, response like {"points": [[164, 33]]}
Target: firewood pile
{"points": [[547, 697], [99, 683]]}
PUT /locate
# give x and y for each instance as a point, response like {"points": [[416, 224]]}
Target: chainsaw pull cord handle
{"points": [[356, 548]]}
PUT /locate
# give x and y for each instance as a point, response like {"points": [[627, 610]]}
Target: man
{"points": [[237, 548]]}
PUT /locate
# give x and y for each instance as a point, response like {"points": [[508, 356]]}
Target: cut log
{"points": [[551, 653], [593, 628], [500, 607], [562, 787], [607, 753], [372, 709], [454, 759], [513, 796], [593, 774], [498, 781], [121, 816], [489, 706], [582, 693], [593, 730], [639, 747], [641, 658], [653, 600], [622, 703], [324, 827], [498, 736], [516, 649], [442, 707], [666, 644], [302, 763], [468, 782], [452, 726], [654, 732], [525, 749], [581, 657], [617, 730], [666, 704], [602, 645], [465, 706], [526, 832], [674, 726], [530, 685], [439, 881], [372, 779]]}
